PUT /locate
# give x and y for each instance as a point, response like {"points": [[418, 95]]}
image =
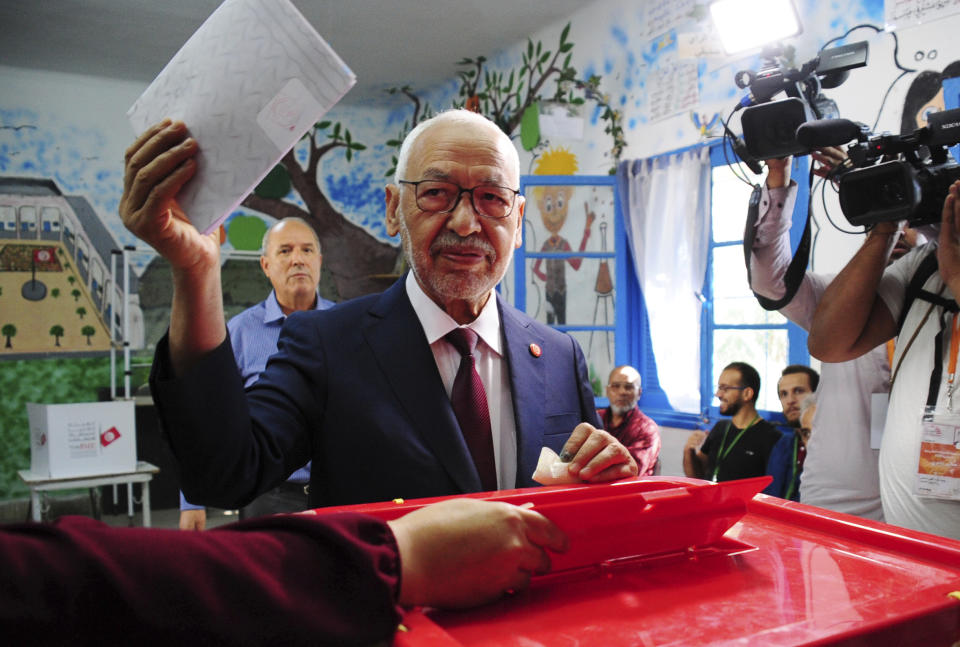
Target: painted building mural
{"points": [[660, 69]]}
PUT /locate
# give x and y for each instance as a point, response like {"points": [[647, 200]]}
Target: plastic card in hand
{"points": [[248, 84]]}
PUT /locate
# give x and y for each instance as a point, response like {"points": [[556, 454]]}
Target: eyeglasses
{"points": [[625, 386], [488, 200], [723, 388]]}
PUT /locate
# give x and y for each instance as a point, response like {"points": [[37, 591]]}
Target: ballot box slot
{"points": [[723, 547]]}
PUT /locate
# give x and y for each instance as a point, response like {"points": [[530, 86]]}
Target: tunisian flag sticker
{"points": [[109, 436]]}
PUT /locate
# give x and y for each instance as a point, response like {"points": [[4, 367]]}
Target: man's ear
{"points": [[392, 201], [518, 236], [264, 264], [748, 394]]}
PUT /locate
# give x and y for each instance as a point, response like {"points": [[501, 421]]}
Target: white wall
{"points": [[638, 49], [72, 129], [672, 442]]}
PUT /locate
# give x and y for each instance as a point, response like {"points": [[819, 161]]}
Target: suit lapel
{"points": [[399, 347], [528, 386]]}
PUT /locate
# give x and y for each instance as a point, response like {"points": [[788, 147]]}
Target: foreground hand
{"points": [[157, 166], [778, 172], [193, 519], [948, 251], [596, 456], [464, 552]]}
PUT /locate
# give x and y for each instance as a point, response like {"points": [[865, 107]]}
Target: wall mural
{"points": [[665, 83], [57, 292]]}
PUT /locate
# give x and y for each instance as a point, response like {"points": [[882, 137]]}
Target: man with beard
{"points": [[738, 448], [627, 423], [796, 383], [373, 390]]}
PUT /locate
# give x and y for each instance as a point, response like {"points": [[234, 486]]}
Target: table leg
{"points": [[145, 494], [35, 505], [130, 504]]}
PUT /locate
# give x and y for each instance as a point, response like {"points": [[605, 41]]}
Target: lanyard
{"points": [[723, 454], [952, 363], [793, 468]]}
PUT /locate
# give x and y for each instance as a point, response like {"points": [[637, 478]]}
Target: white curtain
{"points": [[667, 217]]}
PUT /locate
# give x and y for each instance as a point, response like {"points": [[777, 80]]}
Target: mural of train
{"points": [[57, 294]]}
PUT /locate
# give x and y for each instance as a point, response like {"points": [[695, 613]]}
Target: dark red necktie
{"points": [[470, 406]]}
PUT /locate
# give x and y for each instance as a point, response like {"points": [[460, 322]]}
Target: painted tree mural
{"points": [[88, 332], [9, 331], [512, 99], [352, 256], [57, 332]]}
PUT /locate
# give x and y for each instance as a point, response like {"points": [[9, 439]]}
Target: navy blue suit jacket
{"points": [[356, 389]]}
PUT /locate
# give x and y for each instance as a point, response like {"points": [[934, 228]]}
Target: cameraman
{"points": [[859, 310], [840, 471]]}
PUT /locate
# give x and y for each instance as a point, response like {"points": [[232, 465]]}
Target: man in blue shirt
{"points": [[797, 382], [291, 259]]}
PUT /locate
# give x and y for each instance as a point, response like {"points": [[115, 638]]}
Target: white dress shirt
{"points": [[490, 364]]}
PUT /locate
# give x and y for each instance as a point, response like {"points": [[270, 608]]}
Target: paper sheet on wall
{"points": [[906, 13], [249, 83], [673, 88], [663, 15]]}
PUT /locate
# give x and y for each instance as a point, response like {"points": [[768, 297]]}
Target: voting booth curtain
{"points": [[667, 219]]}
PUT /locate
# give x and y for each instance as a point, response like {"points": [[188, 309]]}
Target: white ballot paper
{"points": [[248, 84]]}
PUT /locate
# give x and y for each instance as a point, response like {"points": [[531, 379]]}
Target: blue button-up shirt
{"points": [[253, 336]]}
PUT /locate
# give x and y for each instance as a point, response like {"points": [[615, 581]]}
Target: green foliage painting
{"points": [[511, 99], [246, 232]]}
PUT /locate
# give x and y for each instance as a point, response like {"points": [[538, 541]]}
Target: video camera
{"points": [[911, 187], [769, 130]]}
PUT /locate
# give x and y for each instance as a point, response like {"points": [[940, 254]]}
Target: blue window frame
{"points": [[630, 327], [597, 297], [734, 326]]}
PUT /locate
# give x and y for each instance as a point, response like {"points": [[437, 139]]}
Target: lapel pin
{"points": [[535, 350]]}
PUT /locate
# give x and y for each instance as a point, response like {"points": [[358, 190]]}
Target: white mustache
{"points": [[449, 239]]}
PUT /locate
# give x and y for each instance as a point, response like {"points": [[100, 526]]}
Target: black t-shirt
{"points": [[747, 457]]}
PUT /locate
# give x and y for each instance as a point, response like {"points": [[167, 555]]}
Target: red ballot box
{"points": [[676, 561]]}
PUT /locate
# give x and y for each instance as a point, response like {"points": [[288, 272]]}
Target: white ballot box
{"points": [[82, 439]]}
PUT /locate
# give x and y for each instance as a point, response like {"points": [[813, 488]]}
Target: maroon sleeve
{"points": [[644, 443], [286, 579]]}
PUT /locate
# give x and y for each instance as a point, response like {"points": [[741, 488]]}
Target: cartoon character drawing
{"points": [[553, 202], [925, 96]]}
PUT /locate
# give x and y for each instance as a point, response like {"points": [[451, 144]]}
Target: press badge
{"points": [[938, 467]]}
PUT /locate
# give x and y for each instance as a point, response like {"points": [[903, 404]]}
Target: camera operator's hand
{"points": [[778, 172], [948, 252], [827, 159]]}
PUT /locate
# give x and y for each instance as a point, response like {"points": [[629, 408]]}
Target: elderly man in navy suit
{"points": [[368, 389]]}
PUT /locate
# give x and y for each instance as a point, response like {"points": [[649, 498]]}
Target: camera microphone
{"points": [[828, 132]]}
